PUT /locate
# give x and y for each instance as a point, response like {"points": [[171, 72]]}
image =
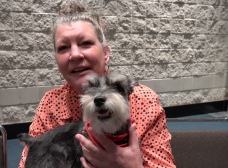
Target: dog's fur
{"points": [[105, 104]]}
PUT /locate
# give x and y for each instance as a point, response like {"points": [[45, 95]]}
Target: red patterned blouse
{"points": [[61, 106]]}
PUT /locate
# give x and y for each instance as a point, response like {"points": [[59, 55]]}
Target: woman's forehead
{"points": [[79, 28]]}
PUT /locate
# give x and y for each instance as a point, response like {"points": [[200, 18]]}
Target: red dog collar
{"points": [[114, 138]]}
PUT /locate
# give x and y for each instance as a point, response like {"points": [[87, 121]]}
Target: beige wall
{"points": [[178, 48]]}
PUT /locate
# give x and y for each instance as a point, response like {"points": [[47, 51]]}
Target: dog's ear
{"points": [[25, 139], [123, 83], [131, 84]]}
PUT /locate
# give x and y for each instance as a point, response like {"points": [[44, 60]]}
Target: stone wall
{"points": [[179, 48]]}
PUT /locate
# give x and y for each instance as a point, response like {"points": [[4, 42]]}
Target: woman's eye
{"points": [[62, 48], [87, 43]]}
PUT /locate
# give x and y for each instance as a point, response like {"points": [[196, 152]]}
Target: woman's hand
{"points": [[112, 155]]}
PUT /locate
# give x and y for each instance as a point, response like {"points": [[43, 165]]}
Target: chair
{"points": [[3, 148], [200, 149]]}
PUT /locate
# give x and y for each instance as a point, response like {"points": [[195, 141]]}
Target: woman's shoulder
{"points": [[58, 91], [143, 91]]}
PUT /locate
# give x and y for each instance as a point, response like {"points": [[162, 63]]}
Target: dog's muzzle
{"points": [[103, 114]]}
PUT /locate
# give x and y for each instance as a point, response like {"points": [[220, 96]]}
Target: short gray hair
{"points": [[74, 13]]}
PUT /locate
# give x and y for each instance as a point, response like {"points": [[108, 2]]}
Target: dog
{"points": [[106, 109]]}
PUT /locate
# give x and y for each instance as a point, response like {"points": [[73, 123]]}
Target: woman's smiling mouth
{"points": [[80, 70]]}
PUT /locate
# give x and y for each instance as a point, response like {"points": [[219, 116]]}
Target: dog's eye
{"points": [[119, 88], [94, 83]]}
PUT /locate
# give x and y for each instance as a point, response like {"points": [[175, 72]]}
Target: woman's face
{"points": [[79, 53]]}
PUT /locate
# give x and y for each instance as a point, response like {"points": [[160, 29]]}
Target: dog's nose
{"points": [[99, 101]]}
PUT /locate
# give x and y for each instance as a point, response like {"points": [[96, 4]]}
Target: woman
{"points": [[80, 50]]}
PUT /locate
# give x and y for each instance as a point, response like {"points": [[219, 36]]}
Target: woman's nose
{"points": [[75, 53]]}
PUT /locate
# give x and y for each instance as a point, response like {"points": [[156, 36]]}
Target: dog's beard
{"points": [[117, 107]]}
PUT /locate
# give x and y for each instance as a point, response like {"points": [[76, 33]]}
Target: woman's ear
{"points": [[107, 54]]}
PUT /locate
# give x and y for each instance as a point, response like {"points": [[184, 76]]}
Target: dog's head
{"points": [[105, 101]]}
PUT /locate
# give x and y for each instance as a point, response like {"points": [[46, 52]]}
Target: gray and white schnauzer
{"points": [[106, 109]]}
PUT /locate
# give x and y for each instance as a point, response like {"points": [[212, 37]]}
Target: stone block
{"points": [[212, 42], [176, 41], [108, 8], [5, 5], [43, 41], [23, 22], [177, 25], [219, 67], [138, 72], [123, 41], [186, 83], [137, 41], [24, 41], [223, 12], [6, 40], [121, 57], [6, 21], [153, 56], [9, 96], [188, 41], [11, 114], [164, 41], [208, 82], [45, 59], [174, 84], [188, 55], [111, 23], [165, 25], [45, 77], [200, 41], [200, 56], [164, 99], [138, 25], [175, 70], [201, 26], [156, 71], [150, 83], [139, 9], [222, 27], [28, 95], [198, 69], [202, 12], [165, 9], [190, 10], [152, 25], [8, 60], [151, 40], [124, 24], [42, 22], [178, 10], [43, 89], [125, 8], [47, 6], [29, 112], [8, 78], [163, 85], [189, 26], [163, 57], [213, 13], [212, 27], [26, 59], [126, 70], [198, 82], [27, 77], [138, 56], [186, 70], [153, 9], [22, 5]]}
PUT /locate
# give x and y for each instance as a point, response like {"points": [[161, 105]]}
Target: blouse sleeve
{"points": [[152, 130]]}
